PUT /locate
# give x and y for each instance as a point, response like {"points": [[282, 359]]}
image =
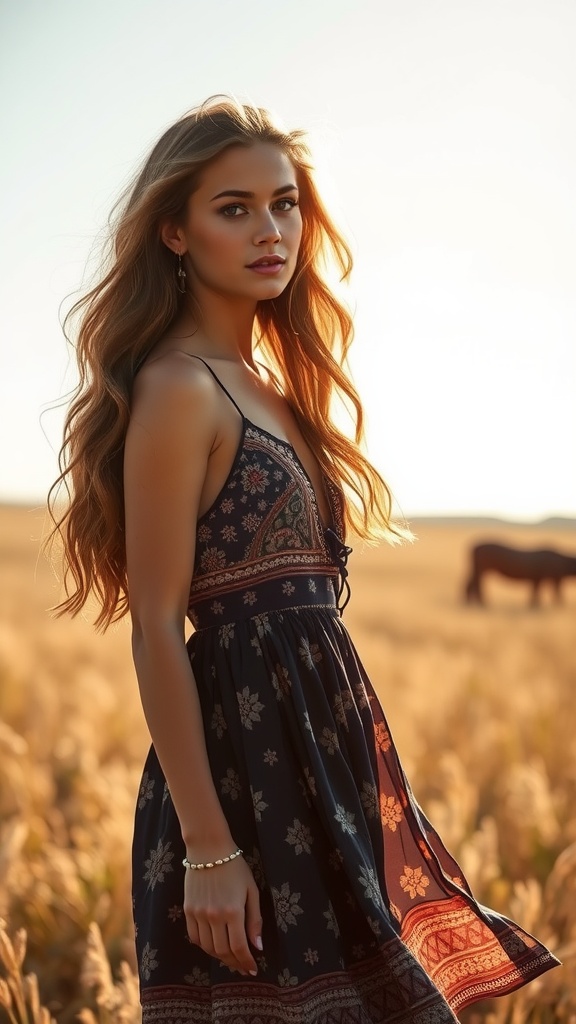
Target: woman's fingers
{"points": [[238, 944], [192, 929], [224, 938], [224, 950], [205, 940], [253, 916]]}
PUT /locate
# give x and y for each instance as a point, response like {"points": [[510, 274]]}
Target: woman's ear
{"points": [[173, 237]]}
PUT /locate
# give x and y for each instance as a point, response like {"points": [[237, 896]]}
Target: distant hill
{"points": [[551, 523], [558, 522]]}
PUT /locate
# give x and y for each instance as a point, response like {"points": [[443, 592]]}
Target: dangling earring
{"points": [[181, 275]]}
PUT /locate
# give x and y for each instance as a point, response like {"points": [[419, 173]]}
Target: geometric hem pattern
{"points": [[447, 939]]}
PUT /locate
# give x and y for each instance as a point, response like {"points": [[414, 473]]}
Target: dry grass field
{"points": [[481, 703]]}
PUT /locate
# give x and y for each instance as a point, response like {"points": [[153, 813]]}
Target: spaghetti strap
{"points": [[218, 381]]}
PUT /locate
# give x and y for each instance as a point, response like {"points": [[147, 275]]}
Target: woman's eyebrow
{"points": [[238, 193]]}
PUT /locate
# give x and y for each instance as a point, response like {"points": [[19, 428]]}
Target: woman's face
{"points": [[245, 210]]}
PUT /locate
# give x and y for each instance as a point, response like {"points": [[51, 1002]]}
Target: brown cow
{"points": [[536, 566]]}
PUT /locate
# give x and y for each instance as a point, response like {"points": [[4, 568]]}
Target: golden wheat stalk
{"points": [[118, 1002], [19, 993]]}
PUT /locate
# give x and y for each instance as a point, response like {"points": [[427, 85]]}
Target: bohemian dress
{"points": [[367, 919]]}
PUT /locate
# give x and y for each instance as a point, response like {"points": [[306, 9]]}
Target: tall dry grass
{"points": [[481, 703]]}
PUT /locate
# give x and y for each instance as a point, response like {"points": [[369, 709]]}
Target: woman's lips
{"points": [[271, 263], [266, 268]]}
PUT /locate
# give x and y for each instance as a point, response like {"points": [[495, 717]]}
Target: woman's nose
{"points": [[268, 231]]}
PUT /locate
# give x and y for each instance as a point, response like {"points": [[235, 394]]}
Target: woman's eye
{"points": [[291, 204], [230, 211], [234, 209]]}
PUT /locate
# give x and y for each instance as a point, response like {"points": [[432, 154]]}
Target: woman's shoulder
{"points": [[175, 401], [172, 374]]}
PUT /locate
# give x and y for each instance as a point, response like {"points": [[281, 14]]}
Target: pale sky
{"points": [[445, 140]]}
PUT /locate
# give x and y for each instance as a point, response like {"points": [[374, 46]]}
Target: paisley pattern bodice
{"points": [[262, 544]]}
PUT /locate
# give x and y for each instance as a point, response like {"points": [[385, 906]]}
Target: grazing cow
{"points": [[536, 566]]}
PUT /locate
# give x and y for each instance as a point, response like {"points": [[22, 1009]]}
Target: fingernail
{"points": [[253, 973], [258, 942]]}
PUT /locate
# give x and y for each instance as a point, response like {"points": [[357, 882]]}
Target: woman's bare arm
{"points": [[173, 429]]}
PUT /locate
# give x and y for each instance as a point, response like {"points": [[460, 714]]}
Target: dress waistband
{"points": [[310, 590]]}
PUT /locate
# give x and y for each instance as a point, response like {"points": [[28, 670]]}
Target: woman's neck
{"points": [[219, 330]]}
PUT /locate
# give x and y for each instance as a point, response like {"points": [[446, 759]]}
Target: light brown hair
{"points": [[304, 335]]}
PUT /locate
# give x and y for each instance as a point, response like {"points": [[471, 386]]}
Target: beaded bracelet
{"points": [[211, 863]]}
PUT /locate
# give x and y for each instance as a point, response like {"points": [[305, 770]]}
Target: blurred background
{"points": [[443, 133], [443, 136]]}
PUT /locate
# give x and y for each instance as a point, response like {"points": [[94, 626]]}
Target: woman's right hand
{"points": [[222, 909]]}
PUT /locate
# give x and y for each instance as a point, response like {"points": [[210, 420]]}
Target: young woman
{"points": [[282, 869]]}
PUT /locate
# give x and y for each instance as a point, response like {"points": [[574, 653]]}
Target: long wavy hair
{"points": [[304, 335]]}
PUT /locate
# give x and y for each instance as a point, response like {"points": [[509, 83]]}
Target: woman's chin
{"points": [[270, 289]]}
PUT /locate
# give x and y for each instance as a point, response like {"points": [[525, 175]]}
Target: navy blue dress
{"points": [[367, 917]]}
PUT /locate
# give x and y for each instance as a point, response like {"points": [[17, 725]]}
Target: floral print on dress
{"points": [[300, 837], [158, 864], [371, 885], [262, 624], [280, 680], [329, 739], [346, 820], [331, 920], [249, 707], [212, 558], [225, 634], [254, 479], [148, 963], [286, 906], [382, 737], [342, 703], [414, 881], [310, 653], [260, 805], [146, 790], [390, 812], [230, 784], [369, 798], [218, 721], [361, 696], [285, 978], [250, 522], [197, 977]]}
